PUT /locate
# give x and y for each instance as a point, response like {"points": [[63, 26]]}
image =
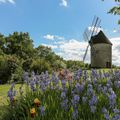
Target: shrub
{"points": [[39, 66], [17, 75], [8, 66]]}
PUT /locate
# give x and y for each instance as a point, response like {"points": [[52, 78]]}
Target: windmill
{"points": [[89, 33]]}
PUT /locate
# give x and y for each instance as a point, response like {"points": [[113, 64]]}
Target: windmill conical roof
{"points": [[100, 38]]}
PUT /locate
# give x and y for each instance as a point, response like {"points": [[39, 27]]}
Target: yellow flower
{"points": [[32, 112], [37, 102]]}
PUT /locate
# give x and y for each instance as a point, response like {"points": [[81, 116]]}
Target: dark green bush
{"points": [[40, 65], [9, 65]]}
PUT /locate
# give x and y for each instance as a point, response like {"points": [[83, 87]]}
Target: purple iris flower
{"points": [[112, 99], [106, 116], [42, 110]]}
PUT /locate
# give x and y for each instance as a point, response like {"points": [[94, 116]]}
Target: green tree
{"points": [[48, 55], [20, 44], [45, 52], [2, 44]]}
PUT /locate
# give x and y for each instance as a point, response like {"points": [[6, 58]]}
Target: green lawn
{"points": [[3, 93], [3, 97]]}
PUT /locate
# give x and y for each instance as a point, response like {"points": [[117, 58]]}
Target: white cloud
{"points": [[53, 37], [49, 37], [5, 1], [59, 37], [116, 50], [64, 3], [73, 49]]}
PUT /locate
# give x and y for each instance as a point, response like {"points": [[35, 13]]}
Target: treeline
{"points": [[17, 54]]}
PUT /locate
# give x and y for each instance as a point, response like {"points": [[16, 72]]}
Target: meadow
{"points": [[86, 95]]}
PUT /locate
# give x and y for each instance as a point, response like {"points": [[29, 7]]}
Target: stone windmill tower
{"points": [[100, 47]]}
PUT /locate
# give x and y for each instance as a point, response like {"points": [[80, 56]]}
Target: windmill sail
{"points": [[85, 53], [89, 33]]}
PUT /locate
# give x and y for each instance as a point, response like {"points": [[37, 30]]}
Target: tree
{"points": [[2, 43], [116, 9], [19, 44]]}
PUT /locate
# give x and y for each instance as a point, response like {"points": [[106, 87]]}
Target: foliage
{"points": [[4, 69], [75, 65], [19, 44], [17, 54], [39, 66], [58, 64], [27, 63], [17, 75], [8, 66], [93, 96]]}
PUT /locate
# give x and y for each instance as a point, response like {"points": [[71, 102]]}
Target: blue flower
{"points": [[116, 111], [75, 114], [90, 90], [79, 88], [104, 110], [106, 116], [112, 99], [32, 85], [93, 100], [116, 117], [42, 110], [64, 104], [93, 109], [63, 95]]}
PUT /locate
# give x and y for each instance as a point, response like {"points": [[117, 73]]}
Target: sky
{"points": [[60, 24]]}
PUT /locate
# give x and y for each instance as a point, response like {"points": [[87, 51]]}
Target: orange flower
{"points": [[32, 112], [37, 102]]}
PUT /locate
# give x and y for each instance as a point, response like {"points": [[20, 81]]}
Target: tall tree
{"points": [[19, 44]]}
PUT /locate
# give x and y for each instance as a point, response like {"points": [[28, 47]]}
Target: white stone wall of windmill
{"points": [[102, 57], [100, 46]]}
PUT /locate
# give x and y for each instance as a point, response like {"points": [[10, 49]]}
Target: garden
{"points": [[84, 95]]}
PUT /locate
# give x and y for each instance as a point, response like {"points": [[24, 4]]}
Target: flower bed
{"points": [[93, 95]]}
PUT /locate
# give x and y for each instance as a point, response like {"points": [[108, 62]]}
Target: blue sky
{"points": [[57, 23]]}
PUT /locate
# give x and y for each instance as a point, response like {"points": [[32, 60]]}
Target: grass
{"points": [[3, 93], [3, 97]]}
